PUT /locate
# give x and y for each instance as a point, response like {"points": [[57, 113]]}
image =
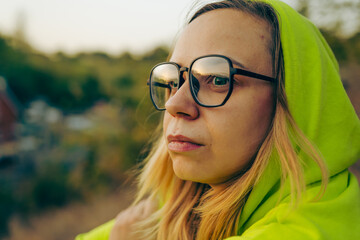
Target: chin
{"points": [[195, 175], [187, 170]]}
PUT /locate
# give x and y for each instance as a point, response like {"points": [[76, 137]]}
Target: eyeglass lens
{"points": [[210, 77], [209, 80], [164, 77]]}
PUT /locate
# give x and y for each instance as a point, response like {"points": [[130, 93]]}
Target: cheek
{"points": [[245, 126], [166, 120], [258, 113]]}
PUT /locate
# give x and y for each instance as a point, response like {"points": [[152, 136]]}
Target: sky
{"points": [[113, 26]]}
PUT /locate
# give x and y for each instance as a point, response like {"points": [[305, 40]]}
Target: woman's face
{"points": [[212, 145]]}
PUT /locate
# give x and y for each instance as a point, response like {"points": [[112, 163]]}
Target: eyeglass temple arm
{"points": [[254, 75]]}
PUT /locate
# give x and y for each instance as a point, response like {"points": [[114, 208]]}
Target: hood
{"points": [[318, 103]]}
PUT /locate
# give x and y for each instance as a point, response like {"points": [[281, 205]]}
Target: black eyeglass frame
{"points": [[233, 71]]}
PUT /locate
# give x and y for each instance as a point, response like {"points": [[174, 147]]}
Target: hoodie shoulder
{"points": [[102, 232], [334, 217]]}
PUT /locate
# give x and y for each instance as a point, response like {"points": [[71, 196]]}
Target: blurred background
{"points": [[75, 115]]}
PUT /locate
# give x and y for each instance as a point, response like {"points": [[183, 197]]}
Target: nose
{"points": [[182, 104]]}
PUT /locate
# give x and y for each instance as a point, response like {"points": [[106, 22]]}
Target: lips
{"points": [[180, 143]]}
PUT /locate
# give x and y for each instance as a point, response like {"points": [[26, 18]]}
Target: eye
{"points": [[217, 81], [173, 84], [220, 81]]}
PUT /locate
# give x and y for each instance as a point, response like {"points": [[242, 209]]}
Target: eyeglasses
{"points": [[210, 79]]}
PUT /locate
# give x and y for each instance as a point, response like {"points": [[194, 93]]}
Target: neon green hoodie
{"points": [[321, 108]]}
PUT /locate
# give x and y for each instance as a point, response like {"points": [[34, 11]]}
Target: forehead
{"points": [[229, 32]]}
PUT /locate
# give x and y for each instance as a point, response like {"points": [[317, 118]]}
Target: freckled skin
{"points": [[231, 133]]}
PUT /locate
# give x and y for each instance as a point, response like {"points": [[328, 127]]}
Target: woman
{"points": [[257, 136]]}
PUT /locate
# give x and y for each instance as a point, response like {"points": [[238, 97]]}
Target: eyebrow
{"points": [[237, 63]]}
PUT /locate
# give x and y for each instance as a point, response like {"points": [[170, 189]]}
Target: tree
{"points": [[342, 17]]}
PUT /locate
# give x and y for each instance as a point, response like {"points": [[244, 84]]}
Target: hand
{"points": [[125, 221]]}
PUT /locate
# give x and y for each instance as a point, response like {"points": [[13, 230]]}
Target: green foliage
{"points": [[354, 46], [52, 188], [346, 50], [338, 46], [75, 82], [158, 54], [7, 205], [110, 91]]}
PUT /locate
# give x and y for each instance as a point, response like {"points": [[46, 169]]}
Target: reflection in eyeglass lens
{"points": [[210, 78], [164, 81]]}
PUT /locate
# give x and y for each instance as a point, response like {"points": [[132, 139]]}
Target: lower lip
{"points": [[178, 146]]}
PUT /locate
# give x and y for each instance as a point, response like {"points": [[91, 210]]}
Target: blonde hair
{"points": [[191, 210]]}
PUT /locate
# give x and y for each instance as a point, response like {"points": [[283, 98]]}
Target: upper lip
{"points": [[181, 138]]}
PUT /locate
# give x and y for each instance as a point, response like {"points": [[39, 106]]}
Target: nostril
{"points": [[183, 115]]}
